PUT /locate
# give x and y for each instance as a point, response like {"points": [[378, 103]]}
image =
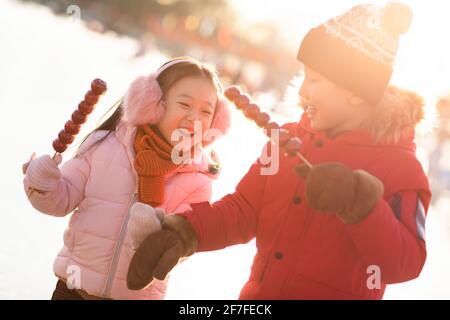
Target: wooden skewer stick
{"points": [[298, 154]]}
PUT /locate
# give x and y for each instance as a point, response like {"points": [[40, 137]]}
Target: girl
{"points": [[354, 222], [128, 159]]}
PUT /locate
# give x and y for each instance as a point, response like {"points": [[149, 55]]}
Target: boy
{"points": [[354, 222]]}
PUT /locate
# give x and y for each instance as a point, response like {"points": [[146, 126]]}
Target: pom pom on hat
{"points": [[396, 18]]}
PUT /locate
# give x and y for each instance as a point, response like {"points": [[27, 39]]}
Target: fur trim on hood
{"points": [[399, 112]]}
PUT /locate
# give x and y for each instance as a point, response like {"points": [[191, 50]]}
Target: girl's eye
{"points": [[207, 112]]}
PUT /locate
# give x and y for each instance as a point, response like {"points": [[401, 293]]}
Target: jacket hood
{"points": [[397, 116]]}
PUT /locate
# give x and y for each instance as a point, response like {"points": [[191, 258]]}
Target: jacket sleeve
{"points": [[69, 191], [392, 237], [234, 218], [201, 194]]}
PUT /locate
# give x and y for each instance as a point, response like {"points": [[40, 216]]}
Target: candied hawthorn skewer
{"points": [[291, 145], [79, 116]]}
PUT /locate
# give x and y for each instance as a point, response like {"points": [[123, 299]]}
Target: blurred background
{"points": [[52, 49]]}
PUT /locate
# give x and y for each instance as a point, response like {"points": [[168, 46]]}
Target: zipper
{"points": [[117, 249]]}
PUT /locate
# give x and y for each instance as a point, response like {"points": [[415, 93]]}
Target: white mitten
{"points": [[43, 173], [144, 220]]}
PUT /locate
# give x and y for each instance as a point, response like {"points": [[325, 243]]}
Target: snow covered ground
{"points": [[46, 64]]}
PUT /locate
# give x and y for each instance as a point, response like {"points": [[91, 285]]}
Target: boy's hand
{"points": [[335, 188], [161, 251], [154, 258]]}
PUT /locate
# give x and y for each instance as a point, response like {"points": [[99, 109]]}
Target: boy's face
{"points": [[326, 104]]}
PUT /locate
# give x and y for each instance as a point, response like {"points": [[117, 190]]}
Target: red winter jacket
{"points": [[305, 254]]}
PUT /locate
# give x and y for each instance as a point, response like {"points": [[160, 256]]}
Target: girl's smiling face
{"points": [[331, 108], [189, 100]]}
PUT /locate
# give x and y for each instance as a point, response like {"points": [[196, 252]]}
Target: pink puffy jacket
{"points": [[100, 184]]}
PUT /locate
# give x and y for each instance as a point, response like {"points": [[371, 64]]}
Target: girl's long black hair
{"points": [[109, 124]]}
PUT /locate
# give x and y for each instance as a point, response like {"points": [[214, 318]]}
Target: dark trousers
{"points": [[63, 293]]}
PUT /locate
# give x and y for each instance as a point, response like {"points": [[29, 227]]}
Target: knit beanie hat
{"points": [[357, 49]]}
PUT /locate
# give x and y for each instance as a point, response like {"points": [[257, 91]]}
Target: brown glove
{"points": [[335, 188], [160, 252]]}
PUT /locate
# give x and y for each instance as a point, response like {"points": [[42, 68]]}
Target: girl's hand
{"points": [[335, 188], [26, 164], [42, 172], [144, 220]]}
